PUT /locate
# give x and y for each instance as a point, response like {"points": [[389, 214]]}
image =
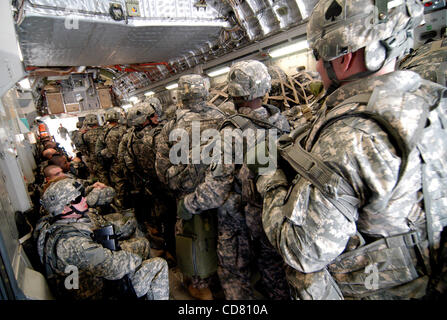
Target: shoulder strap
{"points": [[107, 133], [243, 122], [327, 181], [393, 135]]}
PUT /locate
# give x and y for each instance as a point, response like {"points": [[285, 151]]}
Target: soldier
{"points": [[62, 131], [94, 261], [184, 178], [89, 138], [107, 151], [429, 61], [231, 189], [137, 152], [353, 213], [75, 136]]}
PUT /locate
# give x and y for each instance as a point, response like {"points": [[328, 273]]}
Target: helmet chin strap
{"points": [[335, 83]]}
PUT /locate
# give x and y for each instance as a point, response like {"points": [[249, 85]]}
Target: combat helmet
{"points": [[384, 28], [112, 114], [91, 119], [156, 104], [193, 87], [139, 113], [60, 194], [249, 80]]}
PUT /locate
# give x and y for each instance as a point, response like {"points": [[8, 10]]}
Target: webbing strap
{"points": [[332, 185]]}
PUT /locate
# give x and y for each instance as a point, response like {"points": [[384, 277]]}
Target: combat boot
{"points": [[200, 293]]}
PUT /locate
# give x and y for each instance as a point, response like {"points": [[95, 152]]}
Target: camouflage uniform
{"points": [[367, 213], [90, 137], [68, 242], [184, 178], [107, 151], [231, 189], [429, 61], [137, 152]]}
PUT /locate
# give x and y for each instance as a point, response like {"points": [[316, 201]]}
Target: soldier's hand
{"points": [[99, 185], [182, 212]]}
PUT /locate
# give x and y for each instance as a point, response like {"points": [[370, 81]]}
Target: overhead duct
{"points": [[174, 32], [85, 33]]}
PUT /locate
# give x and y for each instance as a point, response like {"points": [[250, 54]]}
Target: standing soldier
{"points": [[137, 152], [107, 151], [352, 223], [199, 265], [62, 131], [231, 189], [89, 138]]}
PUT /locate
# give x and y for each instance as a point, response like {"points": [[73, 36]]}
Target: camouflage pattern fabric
{"points": [[231, 189], [68, 242], [107, 150], [313, 232], [339, 27], [240, 80], [429, 61], [192, 87], [137, 153], [182, 179], [95, 166]]}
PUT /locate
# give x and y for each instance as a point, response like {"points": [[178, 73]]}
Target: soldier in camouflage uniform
{"points": [[76, 138], [429, 61], [231, 189], [351, 224], [184, 178], [89, 138], [107, 151], [137, 152], [72, 222]]}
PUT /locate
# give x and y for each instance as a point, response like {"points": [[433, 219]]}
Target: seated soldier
{"points": [[49, 153], [94, 261]]}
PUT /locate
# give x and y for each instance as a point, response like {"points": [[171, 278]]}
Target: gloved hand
{"points": [[182, 212]]}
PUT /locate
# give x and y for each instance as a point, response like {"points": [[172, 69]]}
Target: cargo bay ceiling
{"points": [[138, 43]]}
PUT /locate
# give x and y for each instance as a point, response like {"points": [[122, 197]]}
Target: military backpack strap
{"points": [[395, 139], [243, 122], [107, 133], [211, 106], [336, 189]]}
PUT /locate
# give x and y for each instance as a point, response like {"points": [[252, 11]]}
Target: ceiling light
{"points": [[289, 49], [133, 99], [149, 93], [172, 86], [126, 106], [218, 72]]}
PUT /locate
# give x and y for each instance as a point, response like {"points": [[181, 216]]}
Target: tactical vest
{"points": [[141, 153], [399, 258], [186, 178], [90, 287], [245, 176]]}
